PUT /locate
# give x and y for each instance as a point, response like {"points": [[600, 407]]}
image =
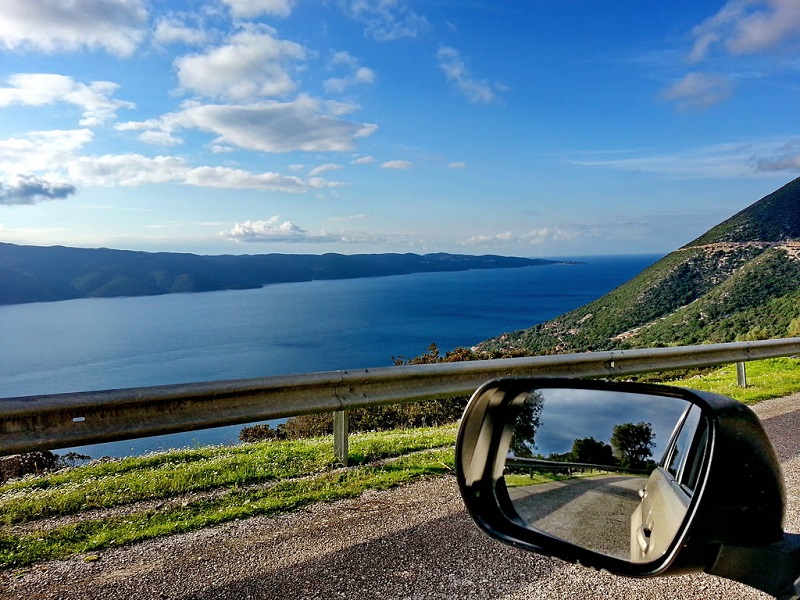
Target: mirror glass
{"points": [[610, 471]]}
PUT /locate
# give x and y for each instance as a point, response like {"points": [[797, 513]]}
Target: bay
{"points": [[111, 343]]}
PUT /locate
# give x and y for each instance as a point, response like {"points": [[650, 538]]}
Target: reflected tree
{"points": [[633, 443], [527, 422], [592, 451]]}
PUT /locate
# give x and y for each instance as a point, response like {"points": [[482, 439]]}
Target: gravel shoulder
{"points": [[414, 542]]}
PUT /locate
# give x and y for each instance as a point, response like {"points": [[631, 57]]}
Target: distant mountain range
{"points": [[738, 281], [43, 274]]}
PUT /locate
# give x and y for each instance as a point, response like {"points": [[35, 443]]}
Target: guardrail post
{"points": [[741, 374], [340, 432]]}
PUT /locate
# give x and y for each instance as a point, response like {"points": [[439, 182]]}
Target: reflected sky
{"points": [[570, 414]]}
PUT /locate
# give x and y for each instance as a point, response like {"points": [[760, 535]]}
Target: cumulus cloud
{"points": [[159, 138], [747, 27], [386, 20], [271, 230], [29, 189], [360, 76], [396, 164], [248, 9], [39, 89], [41, 151], [357, 75], [363, 160], [304, 124], [254, 64], [277, 231], [171, 30], [697, 91], [116, 26], [458, 76]]}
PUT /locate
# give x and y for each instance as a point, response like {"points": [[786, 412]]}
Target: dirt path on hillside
{"points": [[414, 542]]}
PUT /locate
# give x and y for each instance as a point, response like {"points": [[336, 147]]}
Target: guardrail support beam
{"points": [[340, 432], [741, 374]]}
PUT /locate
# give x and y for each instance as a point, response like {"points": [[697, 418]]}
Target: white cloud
{"points": [[254, 64], [52, 156], [322, 168], [247, 9], [276, 231], [170, 30], [42, 151], [116, 26], [271, 230], [698, 91], [747, 27], [457, 165], [457, 74], [303, 124], [534, 237], [227, 178], [126, 170], [357, 75], [219, 149], [396, 164], [386, 20], [363, 160], [132, 170], [39, 89], [159, 138], [29, 189]]}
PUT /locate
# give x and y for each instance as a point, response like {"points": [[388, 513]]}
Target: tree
{"points": [[592, 451], [527, 422], [632, 444]]}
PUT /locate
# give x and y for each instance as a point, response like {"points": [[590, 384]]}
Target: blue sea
{"points": [[96, 344]]}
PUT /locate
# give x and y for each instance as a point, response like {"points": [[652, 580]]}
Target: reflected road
{"points": [[591, 511]]}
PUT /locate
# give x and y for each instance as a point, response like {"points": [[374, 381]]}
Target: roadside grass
{"points": [[169, 474], [768, 378], [251, 479], [95, 534]]}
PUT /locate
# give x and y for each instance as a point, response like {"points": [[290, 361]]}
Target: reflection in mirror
{"points": [[610, 471]]}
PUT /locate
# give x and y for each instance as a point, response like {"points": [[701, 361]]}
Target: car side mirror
{"points": [[636, 479]]}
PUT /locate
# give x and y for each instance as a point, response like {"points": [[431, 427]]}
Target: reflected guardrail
{"points": [[64, 420], [534, 464]]}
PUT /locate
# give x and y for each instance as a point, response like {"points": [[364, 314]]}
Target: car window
{"points": [[683, 462]]}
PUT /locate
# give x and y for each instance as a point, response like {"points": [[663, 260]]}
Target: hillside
{"points": [[738, 281], [42, 274]]}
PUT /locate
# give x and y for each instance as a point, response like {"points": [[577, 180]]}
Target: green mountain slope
{"points": [[740, 280]]}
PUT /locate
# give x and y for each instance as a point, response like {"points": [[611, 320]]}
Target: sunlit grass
{"points": [[769, 378], [95, 534], [171, 474]]}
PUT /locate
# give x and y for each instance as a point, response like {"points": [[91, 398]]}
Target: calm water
{"points": [[280, 329]]}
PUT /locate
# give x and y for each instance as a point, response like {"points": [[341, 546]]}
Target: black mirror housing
{"points": [[738, 499]]}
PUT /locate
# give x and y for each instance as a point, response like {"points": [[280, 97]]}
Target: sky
{"points": [[528, 128]]}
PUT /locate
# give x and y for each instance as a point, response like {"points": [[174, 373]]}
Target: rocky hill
{"points": [[41, 274], [738, 281]]}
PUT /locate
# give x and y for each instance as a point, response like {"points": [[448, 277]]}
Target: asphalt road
{"points": [[414, 542]]}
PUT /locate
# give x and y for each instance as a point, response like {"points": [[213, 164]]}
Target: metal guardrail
{"points": [[64, 420], [557, 465]]}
